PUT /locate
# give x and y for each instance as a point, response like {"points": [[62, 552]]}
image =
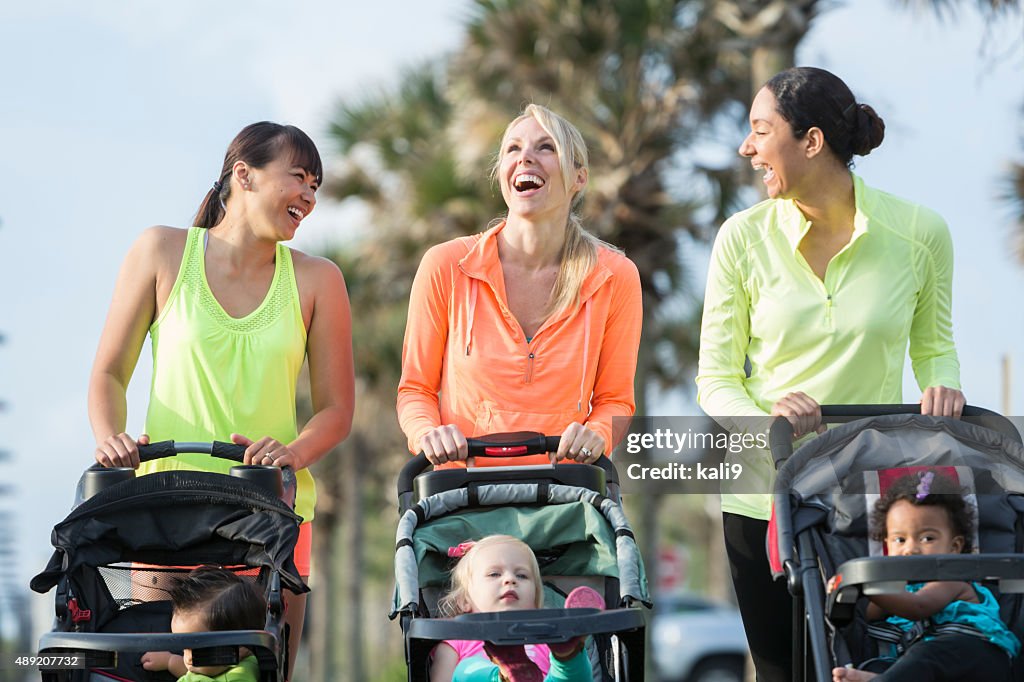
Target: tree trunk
{"points": [[322, 631], [768, 60], [647, 504], [353, 558]]}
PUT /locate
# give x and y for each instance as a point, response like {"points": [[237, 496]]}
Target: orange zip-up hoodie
{"points": [[466, 361]]}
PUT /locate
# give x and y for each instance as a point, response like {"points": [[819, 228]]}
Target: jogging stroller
{"points": [[569, 514], [822, 500], [128, 539]]}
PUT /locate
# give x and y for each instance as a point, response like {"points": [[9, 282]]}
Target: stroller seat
{"points": [[579, 535]]}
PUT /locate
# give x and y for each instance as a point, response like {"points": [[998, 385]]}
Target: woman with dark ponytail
{"points": [[232, 313], [821, 288]]}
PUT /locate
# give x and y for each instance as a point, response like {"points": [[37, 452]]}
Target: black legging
{"points": [[765, 604], [950, 657]]}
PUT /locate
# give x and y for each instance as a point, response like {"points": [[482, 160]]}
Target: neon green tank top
{"points": [[214, 375]]}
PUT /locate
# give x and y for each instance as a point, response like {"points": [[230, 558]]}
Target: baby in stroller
{"points": [[953, 626], [211, 599], [500, 573], [822, 529]]}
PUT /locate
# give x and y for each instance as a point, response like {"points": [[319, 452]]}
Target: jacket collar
{"points": [[482, 263], [794, 225]]}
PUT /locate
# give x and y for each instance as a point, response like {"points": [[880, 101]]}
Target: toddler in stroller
{"points": [[821, 528], [119, 552], [954, 626], [500, 573], [567, 514]]}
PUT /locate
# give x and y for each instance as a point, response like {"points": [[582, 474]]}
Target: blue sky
{"points": [[115, 116]]}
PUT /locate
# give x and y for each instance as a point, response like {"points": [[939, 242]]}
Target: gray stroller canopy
{"points": [[821, 480]]}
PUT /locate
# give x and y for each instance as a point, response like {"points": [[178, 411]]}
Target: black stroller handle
{"points": [[169, 448], [780, 437], [515, 444], [284, 484]]}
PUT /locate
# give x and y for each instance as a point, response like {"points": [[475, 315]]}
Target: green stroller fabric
{"points": [[583, 536], [574, 532]]}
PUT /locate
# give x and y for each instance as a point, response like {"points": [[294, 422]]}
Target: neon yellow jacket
{"points": [[842, 340], [247, 670]]}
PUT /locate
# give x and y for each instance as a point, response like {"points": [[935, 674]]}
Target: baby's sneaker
{"points": [[582, 597], [513, 663]]}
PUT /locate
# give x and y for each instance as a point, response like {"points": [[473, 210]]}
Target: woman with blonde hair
{"points": [[531, 325]]}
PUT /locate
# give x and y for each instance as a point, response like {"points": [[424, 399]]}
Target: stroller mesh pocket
{"points": [[130, 584]]}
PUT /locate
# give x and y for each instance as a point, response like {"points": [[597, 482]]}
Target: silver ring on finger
{"points": [[586, 452]]}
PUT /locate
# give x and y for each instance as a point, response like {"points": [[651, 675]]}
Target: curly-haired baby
{"points": [[925, 513]]}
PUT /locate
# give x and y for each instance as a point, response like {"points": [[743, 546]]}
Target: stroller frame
{"points": [[222, 519], [866, 576], [434, 494]]}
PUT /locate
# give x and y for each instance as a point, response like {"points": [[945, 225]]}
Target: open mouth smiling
{"points": [[769, 172], [525, 182]]}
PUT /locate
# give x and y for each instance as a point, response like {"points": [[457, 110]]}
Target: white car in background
{"points": [[694, 639]]}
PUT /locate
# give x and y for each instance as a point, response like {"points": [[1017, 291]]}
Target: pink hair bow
{"points": [[459, 550], [924, 487]]}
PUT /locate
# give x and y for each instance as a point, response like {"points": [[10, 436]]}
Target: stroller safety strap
{"points": [[904, 639]]}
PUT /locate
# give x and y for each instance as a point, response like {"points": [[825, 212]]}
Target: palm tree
{"points": [[1013, 196]]}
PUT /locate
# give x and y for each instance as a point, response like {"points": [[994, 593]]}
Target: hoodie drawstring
{"points": [[472, 313], [586, 351]]}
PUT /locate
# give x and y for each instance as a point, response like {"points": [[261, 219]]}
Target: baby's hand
{"points": [[156, 660]]}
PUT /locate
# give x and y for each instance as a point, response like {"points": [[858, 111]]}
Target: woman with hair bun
{"points": [[821, 288]]}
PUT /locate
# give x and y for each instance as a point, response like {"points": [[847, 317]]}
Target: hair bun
{"points": [[868, 130]]}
